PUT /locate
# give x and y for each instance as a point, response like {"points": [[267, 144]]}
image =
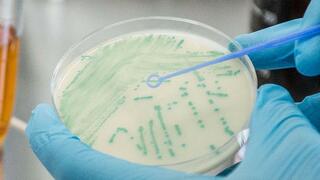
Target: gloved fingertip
{"points": [[232, 47], [44, 126], [307, 58], [43, 117], [244, 40], [238, 43]]}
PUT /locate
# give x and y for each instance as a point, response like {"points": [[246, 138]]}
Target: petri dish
{"points": [[190, 123]]}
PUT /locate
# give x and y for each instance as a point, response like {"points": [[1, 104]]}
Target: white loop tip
{"points": [[154, 81]]}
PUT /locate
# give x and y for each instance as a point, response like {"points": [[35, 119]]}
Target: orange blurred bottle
{"points": [[10, 29], [9, 48]]}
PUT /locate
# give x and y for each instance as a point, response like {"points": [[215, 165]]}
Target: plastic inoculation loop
{"points": [[155, 80]]}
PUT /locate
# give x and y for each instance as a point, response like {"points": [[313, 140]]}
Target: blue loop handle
{"points": [[307, 32]]}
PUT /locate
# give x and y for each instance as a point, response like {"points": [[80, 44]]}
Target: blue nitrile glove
{"points": [[303, 54], [310, 106], [283, 144]]}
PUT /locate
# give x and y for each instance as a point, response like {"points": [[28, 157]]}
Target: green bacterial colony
{"points": [[111, 84]]}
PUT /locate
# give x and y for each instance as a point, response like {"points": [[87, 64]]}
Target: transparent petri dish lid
{"points": [[191, 123]]}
